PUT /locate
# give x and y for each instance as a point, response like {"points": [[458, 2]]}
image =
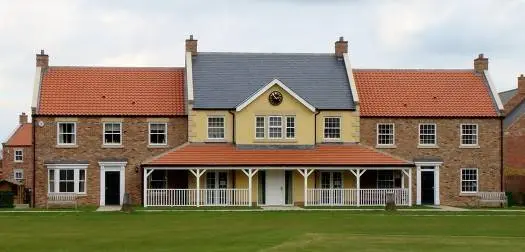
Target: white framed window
{"points": [[385, 134], [18, 174], [158, 133], [469, 180], [275, 127], [112, 133], [469, 134], [427, 134], [290, 127], [66, 133], [260, 127], [64, 180], [332, 128], [19, 155], [216, 127]]}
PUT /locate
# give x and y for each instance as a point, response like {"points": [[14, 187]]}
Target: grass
{"points": [[262, 231]]}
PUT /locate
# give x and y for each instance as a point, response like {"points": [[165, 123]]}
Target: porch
{"points": [[231, 186]]}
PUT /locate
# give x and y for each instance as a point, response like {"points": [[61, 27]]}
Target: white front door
{"points": [[275, 187]]}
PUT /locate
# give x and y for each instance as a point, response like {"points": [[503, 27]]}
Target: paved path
{"points": [[109, 208]]}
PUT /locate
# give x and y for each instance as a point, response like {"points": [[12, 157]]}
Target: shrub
{"points": [[6, 200]]}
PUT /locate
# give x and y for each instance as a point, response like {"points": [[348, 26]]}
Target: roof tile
{"points": [[440, 93], [22, 137], [112, 91], [228, 154]]}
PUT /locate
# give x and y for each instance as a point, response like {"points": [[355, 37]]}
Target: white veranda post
{"points": [[305, 173], [408, 173], [357, 173], [198, 173], [146, 173], [250, 173]]}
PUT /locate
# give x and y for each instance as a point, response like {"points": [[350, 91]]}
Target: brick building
{"points": [[514, 137], [95, 125], [446, 121], [17, 161]]}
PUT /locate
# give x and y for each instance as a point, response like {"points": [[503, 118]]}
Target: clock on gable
{"points": [[275, 98]]}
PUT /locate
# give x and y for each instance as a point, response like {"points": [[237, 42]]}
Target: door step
{"points": [[281, 208], [109, 208]]}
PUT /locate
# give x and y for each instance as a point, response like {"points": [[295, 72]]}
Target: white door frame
{"points": [[436, 166], [112, 166]]}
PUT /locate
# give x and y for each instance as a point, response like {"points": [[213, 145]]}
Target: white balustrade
{"points": [[348, 197], [188, 197]]}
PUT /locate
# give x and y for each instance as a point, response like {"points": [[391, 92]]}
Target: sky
{"points": [[381, 34]]}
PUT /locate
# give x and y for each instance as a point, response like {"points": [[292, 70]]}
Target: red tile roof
{"points": [[22, 137], [432, 93], [206, 154], [112, 91]]}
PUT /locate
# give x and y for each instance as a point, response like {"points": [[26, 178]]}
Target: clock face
{"points": [[275, 98]]}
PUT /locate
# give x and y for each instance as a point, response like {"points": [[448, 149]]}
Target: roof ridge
{"points": [[416, 69], [116, 67], [269, 53]]}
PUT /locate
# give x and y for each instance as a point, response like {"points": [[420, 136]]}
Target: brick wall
{"points": [[89, 147], [486, 158], [9, 164], [514, 157]]}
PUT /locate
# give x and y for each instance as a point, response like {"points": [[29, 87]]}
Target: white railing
{"points": [[188, 197], [348, 197], [331, 197], [171, 197], [224, 197]]}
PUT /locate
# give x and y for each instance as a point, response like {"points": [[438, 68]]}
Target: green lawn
{"points": [[262, 231]]}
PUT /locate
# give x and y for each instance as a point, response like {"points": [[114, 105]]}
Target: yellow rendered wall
{"points": [[349, 125], [304, 120], [198, 125]]}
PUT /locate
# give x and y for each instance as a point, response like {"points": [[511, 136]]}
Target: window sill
{"points": [[275, 140], [215, 140], [66, 146], [335, 140], [468, 194], [386, 146], [469, 147], [19, 161], [112, 146], [428, 146], [160, 146]]}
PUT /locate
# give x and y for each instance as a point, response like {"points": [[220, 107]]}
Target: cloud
{"points": [[382, 34]]}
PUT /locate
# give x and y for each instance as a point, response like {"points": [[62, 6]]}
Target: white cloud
{"points": [[382, 34]]}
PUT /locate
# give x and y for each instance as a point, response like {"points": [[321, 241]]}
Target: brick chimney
{"points": [[191, 46], [42, 59], [521, 84], [22, 118], [341, 47], [481, 64]]}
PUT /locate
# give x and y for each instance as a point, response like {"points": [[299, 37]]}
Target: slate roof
{"points": [[224, 80], [112, 91], [424, 93], [22, 137], [505, 96], [217, 154]]}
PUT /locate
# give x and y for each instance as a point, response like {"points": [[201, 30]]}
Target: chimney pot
{"points": [[191, 46], [521, 84], [481, 64], [42, 59], [341, 47], [22, 118]]}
